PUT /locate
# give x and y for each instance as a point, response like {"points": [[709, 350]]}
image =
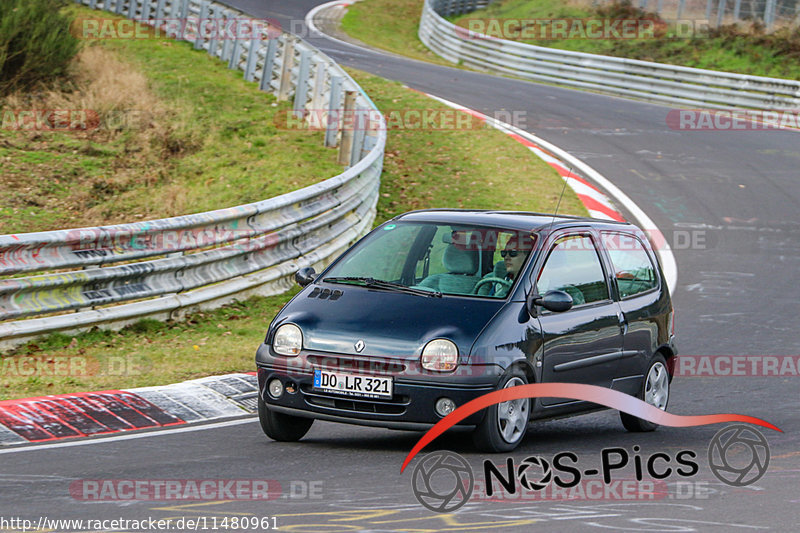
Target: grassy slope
{"points": [[727, 50], [393, 24], [390, 25], [478, 168], [201, 138]]}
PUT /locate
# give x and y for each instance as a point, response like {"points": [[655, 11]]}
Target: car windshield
{"points": [[437, 258]]}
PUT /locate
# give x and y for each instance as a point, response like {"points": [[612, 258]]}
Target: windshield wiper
{"points": [[381, 284]]}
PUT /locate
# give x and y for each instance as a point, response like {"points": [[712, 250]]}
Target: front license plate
{"points": [[353, 384]]}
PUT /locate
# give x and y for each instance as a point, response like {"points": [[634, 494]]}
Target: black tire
{"points": [[281, 427], [492, 435], [657, 366]]}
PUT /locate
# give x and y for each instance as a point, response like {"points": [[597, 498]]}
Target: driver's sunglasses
{"points": [[509, 253]]}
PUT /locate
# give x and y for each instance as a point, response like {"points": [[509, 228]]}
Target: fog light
{"points": [[445, 406], [275, 388]]}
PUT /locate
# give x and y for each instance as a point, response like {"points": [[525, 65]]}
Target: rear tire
{"points": [[282, 427], [655, 391], [504, 424]]}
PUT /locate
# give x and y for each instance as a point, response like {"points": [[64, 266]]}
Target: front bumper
{"points": [[415, 391]]}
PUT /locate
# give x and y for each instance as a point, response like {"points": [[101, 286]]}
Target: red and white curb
{"points": [[595, 201], [87, 414]]}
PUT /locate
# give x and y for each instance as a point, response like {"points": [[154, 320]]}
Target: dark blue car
{"points": [[435, 308]]}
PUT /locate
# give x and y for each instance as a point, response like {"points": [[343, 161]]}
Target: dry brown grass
{"points": [[126, 113], [109, 84], [104, 84], [174, 200]]}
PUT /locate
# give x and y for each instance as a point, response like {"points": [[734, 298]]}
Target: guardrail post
{"points": [[146, 8], [346, 146], [252, 57], [737, 7], [160, 10], [369, 141], [720, 12], [659, 6], [130, 12], [118, 7], [286, 69], [301, 90], [212, 41], [92, 3], [709, 4], [681, 6], [226, 43], [334, 112], [316, 115], [360, 123], [198, 41], [269, 63], [237, 51], [769, 14], [643, 4], [184, 13], [316, 96]]}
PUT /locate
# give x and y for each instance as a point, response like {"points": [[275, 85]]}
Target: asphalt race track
{"points": [[736, 194]]}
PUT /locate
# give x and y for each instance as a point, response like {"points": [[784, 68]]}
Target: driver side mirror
{"points": [[556, 301], [304, 276]]}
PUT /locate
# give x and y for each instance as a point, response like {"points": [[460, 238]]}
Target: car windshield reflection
{"points": [[436, 259]]}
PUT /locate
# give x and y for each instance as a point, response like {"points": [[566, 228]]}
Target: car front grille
{"points": [[396, 406]]}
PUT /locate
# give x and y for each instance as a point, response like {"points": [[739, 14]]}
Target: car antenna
{"points": [[540, 242], [558, 204]]}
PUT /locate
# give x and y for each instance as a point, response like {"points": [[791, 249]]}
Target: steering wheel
{"points": [[493, 279]]}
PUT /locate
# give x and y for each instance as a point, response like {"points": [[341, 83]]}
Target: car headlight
{"points": [[288, 340], [440, 355]]}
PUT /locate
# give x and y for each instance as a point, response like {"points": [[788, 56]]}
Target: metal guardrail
{"points": [[159, 268], [619, 76]]}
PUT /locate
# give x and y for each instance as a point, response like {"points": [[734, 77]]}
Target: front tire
{"points": [[282, 427], [504, 425], [655, 391]]}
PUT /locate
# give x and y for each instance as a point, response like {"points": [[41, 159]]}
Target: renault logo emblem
{"points": [[359, 346]]}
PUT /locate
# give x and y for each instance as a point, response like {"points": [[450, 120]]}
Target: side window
{"points": [[573, 266], [633, 268]]}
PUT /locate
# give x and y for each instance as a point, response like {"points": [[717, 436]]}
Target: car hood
{"points": [[390, 324]]}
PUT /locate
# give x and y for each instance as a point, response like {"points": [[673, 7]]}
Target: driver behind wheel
{"points": [[507, 270]]}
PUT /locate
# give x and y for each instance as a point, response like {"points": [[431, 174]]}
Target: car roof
{"points": [[514, 220]]}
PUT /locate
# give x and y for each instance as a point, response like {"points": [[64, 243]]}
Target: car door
{"points": [[636, 277], [584, 344]]}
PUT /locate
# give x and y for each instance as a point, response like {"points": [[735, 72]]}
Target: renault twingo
{"points": [[435, 308]]}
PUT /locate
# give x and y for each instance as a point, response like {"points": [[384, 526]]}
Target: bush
{"points": [[36, 45]]}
